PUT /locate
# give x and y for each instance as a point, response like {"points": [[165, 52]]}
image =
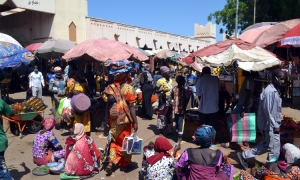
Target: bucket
{"points": [[80, 103]]}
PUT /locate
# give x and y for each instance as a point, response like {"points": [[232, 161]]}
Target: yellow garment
{"points": [[98, 79], [166, 87], [84, 119]]}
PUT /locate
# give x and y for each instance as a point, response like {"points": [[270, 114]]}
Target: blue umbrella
{"points": [[12, 55]]}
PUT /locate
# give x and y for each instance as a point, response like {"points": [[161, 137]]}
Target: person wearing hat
{"points": [[203, 163], [207, 89]]}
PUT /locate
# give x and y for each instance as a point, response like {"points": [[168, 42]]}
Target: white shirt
{"points": [[208, 88], [36, 80]]}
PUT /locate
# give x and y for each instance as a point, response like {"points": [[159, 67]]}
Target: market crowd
{"points": [[121, 87]]}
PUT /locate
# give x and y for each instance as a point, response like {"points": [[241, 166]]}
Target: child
{"points": [[180, 100]]}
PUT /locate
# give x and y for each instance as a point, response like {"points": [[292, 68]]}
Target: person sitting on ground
{"points": [[180, 100], [203, 163], [84, 158], [158, 162], [45, 146]]}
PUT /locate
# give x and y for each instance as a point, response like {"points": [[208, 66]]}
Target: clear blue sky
{"points": [[173, 16]]}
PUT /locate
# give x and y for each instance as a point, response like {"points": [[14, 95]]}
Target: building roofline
{"points": [[148, 29]]}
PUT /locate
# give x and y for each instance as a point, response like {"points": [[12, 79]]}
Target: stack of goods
{"points": [[290, 123], [33, 104]]}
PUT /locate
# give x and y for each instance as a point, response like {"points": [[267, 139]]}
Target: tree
{"points": [[266, 11]]}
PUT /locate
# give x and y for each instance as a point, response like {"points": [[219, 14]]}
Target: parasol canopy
{"points": [[197, 67], [275, 33], [144, 52], [164, 54], [248, 56], [291, 38], [33, 47], [12, 55], [54, 48], [102, 50], [252, 34], [8, 38]]}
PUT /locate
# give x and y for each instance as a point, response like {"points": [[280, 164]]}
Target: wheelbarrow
{"points": [[30, 119]]}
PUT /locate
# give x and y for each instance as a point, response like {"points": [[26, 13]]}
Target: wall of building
{"points": [[143, 37]]}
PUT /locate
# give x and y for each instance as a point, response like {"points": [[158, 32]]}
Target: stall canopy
{"points": [[275, 33], [102, 50], [8, 38], [291, 38], [33, 47], [164, 54], [252, 34], [144, 52], [12, 55], [54, 48], [248, 56]]}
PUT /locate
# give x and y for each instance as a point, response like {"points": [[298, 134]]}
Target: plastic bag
{"points": [[132, 144], [60, 106], [67, 110]]}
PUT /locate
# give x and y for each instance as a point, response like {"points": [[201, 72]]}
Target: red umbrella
{"points": [[251, 34], [33, 47], [291, 38], [102, 50], [275, 33]]}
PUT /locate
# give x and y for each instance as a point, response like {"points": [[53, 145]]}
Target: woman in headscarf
{"points": [[84, 157], [57, 86], [164, 88], [203, 163], [80, 85], [120, 98], [45, 146], [146, 82], [158, 163]]}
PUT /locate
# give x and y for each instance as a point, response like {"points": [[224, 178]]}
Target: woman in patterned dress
{"points": [[120, 97], [45, 146]]}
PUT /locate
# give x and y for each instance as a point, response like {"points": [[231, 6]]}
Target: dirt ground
{"points": [[19, 159]]}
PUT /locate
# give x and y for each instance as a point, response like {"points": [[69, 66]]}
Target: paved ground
{"points": [[19, 158]]}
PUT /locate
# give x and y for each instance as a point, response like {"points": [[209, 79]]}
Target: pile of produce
{"points": [[33, 104], [290, 123]]}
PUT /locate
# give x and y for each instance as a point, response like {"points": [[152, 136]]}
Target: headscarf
{"points": [[79, 131], [164, 69], [57, 69], [162, 145], [48, 124], [203, 135]]}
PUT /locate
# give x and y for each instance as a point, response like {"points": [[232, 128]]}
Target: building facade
{"points": [[31, 21]]}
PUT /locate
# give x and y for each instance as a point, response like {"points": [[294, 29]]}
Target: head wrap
{"points": [[162, 145], [79, 131], [164, 69], [57, 68], [203, 135], [48, 124]]}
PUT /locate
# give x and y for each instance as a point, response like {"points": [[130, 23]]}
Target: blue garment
{"points": [[179, 123], [191, 79], [4, 173], [269, 112], [156, 78], [50, 76]]}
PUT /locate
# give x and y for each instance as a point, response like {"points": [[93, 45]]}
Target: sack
{"points": [[132, 144], [60, 106], [242, 129]]}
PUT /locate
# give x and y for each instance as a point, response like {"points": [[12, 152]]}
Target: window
{"points": [[72, 33]]}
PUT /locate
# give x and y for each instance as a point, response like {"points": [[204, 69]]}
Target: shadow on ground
{"points": [[16, 174]]}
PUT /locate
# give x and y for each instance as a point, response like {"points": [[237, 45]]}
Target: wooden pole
{"points": [[152, 62]]}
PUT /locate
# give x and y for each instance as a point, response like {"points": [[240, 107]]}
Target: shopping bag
{"points": [[243, 129], [60, 106], [67, 110], [132, 144]]}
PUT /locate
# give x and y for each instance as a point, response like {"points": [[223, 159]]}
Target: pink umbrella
{"points": [[251, 34], [102, 50], [275, 33], [197, 67], [33, 47]]}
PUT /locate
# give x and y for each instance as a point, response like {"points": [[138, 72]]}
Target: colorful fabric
{"points": [[58, 86], [48, 124], [204, 135], [4, 173], [119, 131], [291, 153], [217, 169], [121, 108], [264, 173], [165, 86], [69, 145], [180, 97], [243, 129], [120, 66], [83, 159], [162, 145]]}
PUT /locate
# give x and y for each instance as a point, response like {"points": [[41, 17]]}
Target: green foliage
{"points": [[237, 177], [266, 11], [256, 166]]}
